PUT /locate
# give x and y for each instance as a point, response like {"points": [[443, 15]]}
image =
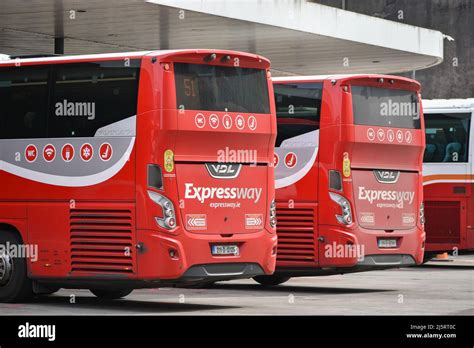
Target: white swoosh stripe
{"points": [[69, 181], [291, 179], [438, 181]]}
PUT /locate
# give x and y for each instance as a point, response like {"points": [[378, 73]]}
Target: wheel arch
{"points": [[19, 228]]}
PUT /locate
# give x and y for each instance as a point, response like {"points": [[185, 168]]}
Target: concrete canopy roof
{"points": [[299, 37]]}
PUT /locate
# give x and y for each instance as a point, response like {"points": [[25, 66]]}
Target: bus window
{"points": [[23, 102], [447, 137], [373, 106], [220, 88], [298, 109], [88, 96]]}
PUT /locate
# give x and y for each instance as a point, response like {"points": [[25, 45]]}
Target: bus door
{"points": [[447, 171], [296, 172]]}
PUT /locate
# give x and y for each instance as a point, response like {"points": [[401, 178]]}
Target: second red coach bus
{"points": [[348, 161], [120, 171], [448, 176]]}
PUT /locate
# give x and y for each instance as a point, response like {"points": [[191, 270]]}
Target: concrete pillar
{"points": [[59, 45]]}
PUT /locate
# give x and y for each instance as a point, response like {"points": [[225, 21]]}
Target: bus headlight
{"points": [[422, 213], [346, 217], [273, 219], [168, 221]]}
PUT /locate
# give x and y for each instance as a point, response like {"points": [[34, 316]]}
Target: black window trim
{"points": [[317, 118], [267, 103], [50, 90], [420, 105], [470, 138]]}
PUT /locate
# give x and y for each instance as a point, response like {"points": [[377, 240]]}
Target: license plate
{"points": [[387, 243], [226, 249]]}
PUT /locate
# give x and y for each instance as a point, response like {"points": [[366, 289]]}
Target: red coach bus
{"points": [[120, 171], [448, 176], [348, 161]]}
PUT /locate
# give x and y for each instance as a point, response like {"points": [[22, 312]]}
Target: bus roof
{"points": [[338, 77], [458, 104], [310, 77], [111, 56]]}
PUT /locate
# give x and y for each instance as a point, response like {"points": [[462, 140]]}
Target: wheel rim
{"points": [[6, 267]]}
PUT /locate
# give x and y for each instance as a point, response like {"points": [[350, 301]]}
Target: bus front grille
{"points": [[296, 237], [101, 241]]}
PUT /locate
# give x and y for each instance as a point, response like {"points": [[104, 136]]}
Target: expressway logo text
{"points": [[386, 195], [204, 193]]}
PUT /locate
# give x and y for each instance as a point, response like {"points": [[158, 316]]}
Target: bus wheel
{"points": [[111, 294], [15, 286], [271, 280]]}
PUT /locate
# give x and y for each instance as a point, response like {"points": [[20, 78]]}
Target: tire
{"points": [[271, 280], [111, 294], [15, 286]]}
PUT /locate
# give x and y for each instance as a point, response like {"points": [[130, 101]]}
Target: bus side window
{"points": [[23, 102], [429, 152], [89, 96], [447, 137], [298, 108], [453, 152]]}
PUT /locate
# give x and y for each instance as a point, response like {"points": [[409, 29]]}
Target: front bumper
{"points": [[222, 271], [194, 261], [333, 257], [383, 261], [410, 243]]}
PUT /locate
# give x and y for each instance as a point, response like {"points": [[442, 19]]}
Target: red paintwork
{"points": [[41, 213], [449, 221], [338, 135]]}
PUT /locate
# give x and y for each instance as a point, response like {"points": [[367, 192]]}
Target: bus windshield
{"points": [[221, 88], [374, 106]]}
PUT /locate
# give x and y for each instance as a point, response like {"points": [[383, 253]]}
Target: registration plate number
{"points": [[387, 243], [225, 249]]}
